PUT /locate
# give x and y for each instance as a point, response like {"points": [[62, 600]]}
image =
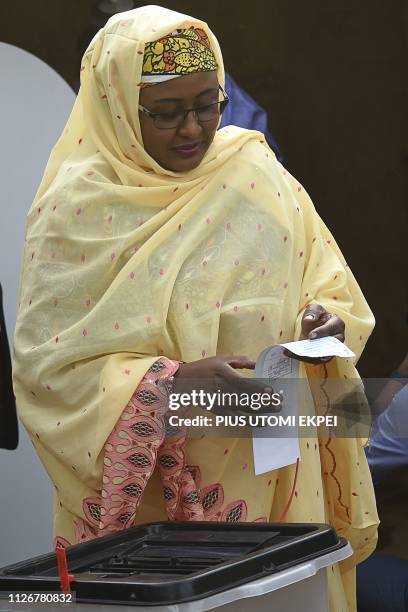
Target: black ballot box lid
{"points": [[174, 562]]}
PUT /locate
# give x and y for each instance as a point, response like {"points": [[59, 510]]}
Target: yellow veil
{"points": [[125, 261]]}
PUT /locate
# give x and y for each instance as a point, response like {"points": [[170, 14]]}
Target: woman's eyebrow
{"points": [[202, 93], [209, 90]]}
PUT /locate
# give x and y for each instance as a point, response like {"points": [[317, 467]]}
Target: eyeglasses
{"points": [[202, 114]]}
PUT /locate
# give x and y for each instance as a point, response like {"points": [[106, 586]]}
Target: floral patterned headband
{"points": [[181, 52]]}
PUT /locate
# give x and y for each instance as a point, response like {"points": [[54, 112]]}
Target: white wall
{"points": [[34, 105]]}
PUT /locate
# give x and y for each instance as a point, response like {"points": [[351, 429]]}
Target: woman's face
{"points": [[182, 148]]}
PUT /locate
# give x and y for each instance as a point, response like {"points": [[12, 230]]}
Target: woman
{"points": [[156, 247]]}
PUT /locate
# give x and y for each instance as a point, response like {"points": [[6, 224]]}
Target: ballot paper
{"points": [[279, 446], [320, 347]]}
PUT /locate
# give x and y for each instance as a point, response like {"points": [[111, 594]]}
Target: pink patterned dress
{"points": [[140, 443]]}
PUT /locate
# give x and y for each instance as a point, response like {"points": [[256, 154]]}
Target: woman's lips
{"points": [[189, 150]]}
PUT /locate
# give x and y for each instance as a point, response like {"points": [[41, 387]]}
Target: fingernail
{"points": [[310, 316], [312, 335]]}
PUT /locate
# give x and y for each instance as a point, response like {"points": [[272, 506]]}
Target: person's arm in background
{"points": [[394, 384], [388, 448]]}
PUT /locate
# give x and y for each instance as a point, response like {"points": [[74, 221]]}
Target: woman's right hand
{"points": [[212, 368], [219, 373]]}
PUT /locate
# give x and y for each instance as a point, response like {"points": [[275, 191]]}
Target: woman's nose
{"points": [[190, 128]]}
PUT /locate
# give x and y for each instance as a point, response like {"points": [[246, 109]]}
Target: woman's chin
{"points": [[184, 165]]}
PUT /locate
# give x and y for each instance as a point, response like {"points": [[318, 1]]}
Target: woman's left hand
{"points": [[317, 323]]}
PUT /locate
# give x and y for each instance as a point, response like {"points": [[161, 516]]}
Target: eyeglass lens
{"points": [[203, 114]]}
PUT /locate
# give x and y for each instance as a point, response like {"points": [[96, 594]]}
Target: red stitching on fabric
{"points": [[332, 473]]}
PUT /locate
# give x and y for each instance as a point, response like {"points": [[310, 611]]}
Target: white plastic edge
{"points": [[267, 584]]}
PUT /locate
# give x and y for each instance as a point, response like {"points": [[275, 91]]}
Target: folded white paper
{"points": [[328, 346], [272, 453]]}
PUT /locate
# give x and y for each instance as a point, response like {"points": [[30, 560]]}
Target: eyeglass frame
{"points": [[184, 113]]}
